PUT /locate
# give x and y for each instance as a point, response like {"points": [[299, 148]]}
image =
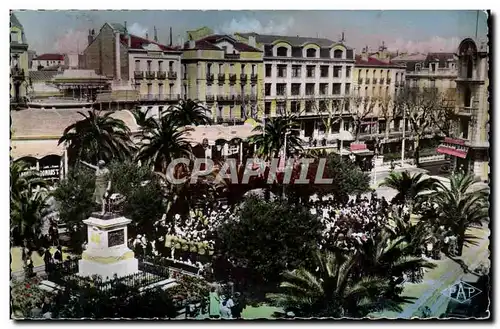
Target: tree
{"points": [[331, 291], [98, 136], [161, 142], [386, 106], [460, 206], [265, 239], [74, 194], [271, 139], [409, 186], [23, 180], [361, 108], [188, 112], [422, 108]]}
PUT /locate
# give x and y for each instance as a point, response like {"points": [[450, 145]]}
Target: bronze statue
{"points": [[102, 184]]}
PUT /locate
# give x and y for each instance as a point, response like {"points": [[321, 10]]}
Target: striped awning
{"points": [[445, 149]]}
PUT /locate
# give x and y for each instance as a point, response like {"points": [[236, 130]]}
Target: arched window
{"points": [[282, 51], [311, 52], [397, 76], [337, 53]]}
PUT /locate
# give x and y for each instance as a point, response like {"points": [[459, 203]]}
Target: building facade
{"points": [[45, 61], [225, 74], [377, 80], [19, 63], [468, 145], [309, 77]]}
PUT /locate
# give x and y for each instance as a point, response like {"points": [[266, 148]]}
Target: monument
{"points": [[107, 252]]}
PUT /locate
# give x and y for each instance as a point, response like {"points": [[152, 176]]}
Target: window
{"points": [[309, 89], [209, 68], [137, 65], [253, 69], [467, 97], [221, 68], [337, 71], [348, 72], [296, 73], [433, 67], [397, 76], [417, 67], [282, 51], [311, 52], [267, 108], [323, 106], [160, 89], [281, 107], [160, 66], [324, 71], [242, 68], [184, 71], [149, 66], [337, 53], [269, 70], [185, 91], [267, 88], [310, 71], [150, 89], [433, 83], [374, 73], [295, 106], [281, 89], [219, 111], [14, 37], [231, 68], [231, 110], [309, 106], [281, 71], [323, 88], [337, 88], [295, 89], [347, 88]]}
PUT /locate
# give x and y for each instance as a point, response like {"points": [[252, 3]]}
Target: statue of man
{"points": [[102, 184]]}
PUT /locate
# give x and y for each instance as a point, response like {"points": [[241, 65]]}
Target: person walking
{"points": [[214, 304], [58, 256]]}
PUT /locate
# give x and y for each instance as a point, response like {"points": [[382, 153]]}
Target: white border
{"points": [[260, 4]]}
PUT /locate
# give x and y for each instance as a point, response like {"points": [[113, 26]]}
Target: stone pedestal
{"points": [[107, 253]]}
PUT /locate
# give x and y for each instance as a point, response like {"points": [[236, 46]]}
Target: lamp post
{"points": [[403, 142]]}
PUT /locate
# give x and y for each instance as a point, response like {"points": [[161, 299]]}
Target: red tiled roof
{"points": [[208, 43], [50, 57], [138, 42], [372, 61]]}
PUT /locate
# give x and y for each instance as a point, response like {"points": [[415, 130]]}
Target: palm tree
{"points": [[22, 179], [272, 136], [410, 187], [460, 207], [98, 136], [161, 142], [188, 112], [331, 290]]}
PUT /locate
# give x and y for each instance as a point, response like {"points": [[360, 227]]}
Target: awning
{"points": [[362, 152], [461, 153], [35, 148], [343, 135]]}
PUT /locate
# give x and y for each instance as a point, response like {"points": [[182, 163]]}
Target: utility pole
{"points": [[403, 142]]}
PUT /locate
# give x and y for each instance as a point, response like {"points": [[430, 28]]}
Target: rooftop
{"points": [[137, 42], [372, 61], [294, 41], [50, 57], [209, 43]]}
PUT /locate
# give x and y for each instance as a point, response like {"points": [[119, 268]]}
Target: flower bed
{"points": [[26, 296]]}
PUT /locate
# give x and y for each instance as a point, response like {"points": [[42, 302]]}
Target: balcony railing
{"points": [[229, 98], [396, 83], [253, 78], [388, 81], [210, 77], [221, 77], [367, 81], [360, 81], [232, 56], [243, 78], [138, 75], [382, 81], [160, 97], [150, 75], [232, 78], [161, 75], [374, 81], [172, 75]]}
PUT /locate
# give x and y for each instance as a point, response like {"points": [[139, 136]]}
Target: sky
{"points": [[406, 31]]}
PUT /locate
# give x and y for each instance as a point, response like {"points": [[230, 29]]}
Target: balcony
{"points": [[396, 83], [382, 81], [367, 81], [374, 81], [465, 79], [159, 97], [232, 56], [210, 78], [243, 78], [253, 78], [150, 75], [161, 75], [360, 81], [232, 78], [229, 98], [221, 77], [210, 98], [172, 75], [388, 81], [138, 75]]}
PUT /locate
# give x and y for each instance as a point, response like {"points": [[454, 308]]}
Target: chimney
{"points": [[147, 36], [192, 44], [364, 54], [118, 71], [251, 41], [90, 37], [170, 36], [342, 39], [155, 34]]}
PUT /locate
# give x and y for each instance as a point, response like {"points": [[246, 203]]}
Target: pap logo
{"points": [[461, 292]]}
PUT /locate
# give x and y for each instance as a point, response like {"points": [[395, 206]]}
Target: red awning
{"points": [[451, 151]]}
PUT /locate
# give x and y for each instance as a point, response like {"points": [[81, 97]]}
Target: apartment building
{"points": [[223, 73], [377, 80], [309, 77], [143, 70], [18, 61], [468, 145]]}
